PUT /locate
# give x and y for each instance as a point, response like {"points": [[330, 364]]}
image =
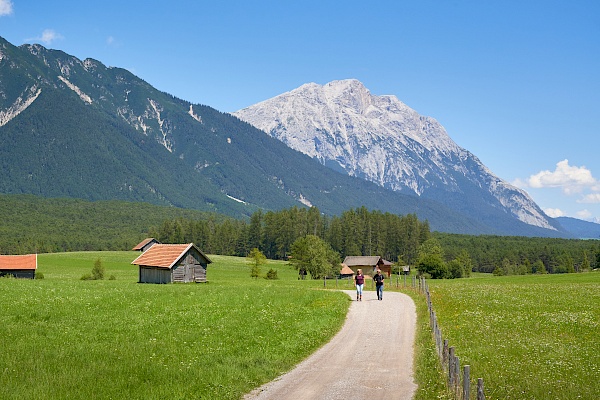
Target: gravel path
{"points": [[370, 358]]}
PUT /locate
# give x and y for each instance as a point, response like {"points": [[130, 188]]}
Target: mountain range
{"points": [[77, 128], [380, 139]]}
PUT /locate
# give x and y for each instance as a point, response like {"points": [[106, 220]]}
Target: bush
{"points": [[86, 277], [272, 274], [98, 270], [39, 275]]}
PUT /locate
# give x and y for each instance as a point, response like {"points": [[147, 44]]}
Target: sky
{"points": [[517, 83]]}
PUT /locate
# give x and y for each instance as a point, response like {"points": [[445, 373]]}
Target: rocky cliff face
{"points": [[382, 140]]}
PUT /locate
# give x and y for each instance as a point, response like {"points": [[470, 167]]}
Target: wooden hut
{"points": [[145, 244], [368, 264], [346, 272], [22, 266], [168, 263]]}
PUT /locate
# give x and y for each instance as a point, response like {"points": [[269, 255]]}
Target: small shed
{"points": [[145, 244], [346, 272], [22, 266], [368, 264], [168, 263]]}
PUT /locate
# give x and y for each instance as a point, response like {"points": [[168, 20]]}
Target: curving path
{"points": [[370, 358]]}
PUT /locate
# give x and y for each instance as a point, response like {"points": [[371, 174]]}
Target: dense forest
{"points": [[32, 224], [509, 255], [354, 232], [395, 238]]}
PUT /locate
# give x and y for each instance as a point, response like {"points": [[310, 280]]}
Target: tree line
{"points": [[514, 255], [400, 239], [355, 232], [32, 224]]}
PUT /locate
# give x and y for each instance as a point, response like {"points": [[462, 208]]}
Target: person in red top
{"points": [[359, 281]]}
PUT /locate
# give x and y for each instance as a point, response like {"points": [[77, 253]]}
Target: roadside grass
{"points": [[529, 337], [62, 337], [428, 373]]}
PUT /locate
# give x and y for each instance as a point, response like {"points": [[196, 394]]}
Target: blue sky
{"points": [[517, 83]]}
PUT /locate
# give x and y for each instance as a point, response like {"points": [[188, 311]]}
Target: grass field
{"points": [[62, 337], [529, 337]]}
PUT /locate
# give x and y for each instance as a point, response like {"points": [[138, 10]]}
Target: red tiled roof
{"points": [[27, 261], [164, 255], [143, 243]]}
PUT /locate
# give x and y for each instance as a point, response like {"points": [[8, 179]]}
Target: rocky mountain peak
{"points": [[381, 139]]}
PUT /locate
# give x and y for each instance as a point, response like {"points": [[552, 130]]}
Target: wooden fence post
{"points": [[445, 352], [480, 394], [456, 376], [466, 382], [451, 367]]}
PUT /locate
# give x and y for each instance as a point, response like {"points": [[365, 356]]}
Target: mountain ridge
{"points": [[74, 128], [381, 139]]}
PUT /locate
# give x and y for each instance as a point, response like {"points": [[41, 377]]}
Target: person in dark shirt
{"points": [[359, 281], [378, 278]]}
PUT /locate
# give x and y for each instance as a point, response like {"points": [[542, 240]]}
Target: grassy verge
{"points": [[427, 368], [67, 338], [529, 337]]}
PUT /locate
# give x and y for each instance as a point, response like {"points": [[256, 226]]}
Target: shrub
{"points": [[98, 270], [39, 275], [272, 274]]}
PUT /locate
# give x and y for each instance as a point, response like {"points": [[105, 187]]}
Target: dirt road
{"points": [[370, 358]]}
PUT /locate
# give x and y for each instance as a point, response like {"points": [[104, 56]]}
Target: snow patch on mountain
{"points": [[381, 139]]}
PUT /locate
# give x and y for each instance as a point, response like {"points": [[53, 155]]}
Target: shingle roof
{"points": [[353, 261], [165, 255], [346, 270], [143, 243], [27, 261]]}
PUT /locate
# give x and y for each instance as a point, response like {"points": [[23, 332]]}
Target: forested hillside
{"points": [[78, 129], [32, 224], [510, 255]]}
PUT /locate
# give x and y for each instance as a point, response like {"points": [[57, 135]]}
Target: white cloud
{"points": [[110, 40], [570, 179], [590, 198], [554, 212], [48, 36], [584, 214], [6, 7]]}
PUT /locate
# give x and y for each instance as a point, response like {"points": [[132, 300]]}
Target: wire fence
{"points": [[458, 383]]}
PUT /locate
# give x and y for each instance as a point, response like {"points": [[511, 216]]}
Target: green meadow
{"points": [[62, 337], [529, 337]]}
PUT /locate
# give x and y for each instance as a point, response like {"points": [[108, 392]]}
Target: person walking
{"points": [[359, 281], [378, 278]]}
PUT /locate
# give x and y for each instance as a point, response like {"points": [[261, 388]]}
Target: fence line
{"points": [[458, 384]]}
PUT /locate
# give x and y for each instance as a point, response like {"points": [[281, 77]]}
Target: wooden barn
{"points": [[346, 272], [22, 266], [168, 263], [145, 244], [368, 264]]}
